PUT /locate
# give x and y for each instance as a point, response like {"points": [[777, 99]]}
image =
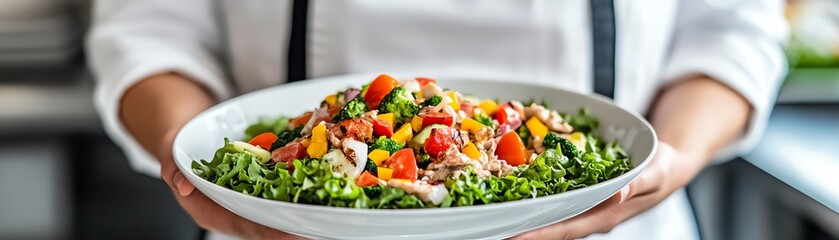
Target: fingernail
{"points": [[178, 179], [624, 194]]}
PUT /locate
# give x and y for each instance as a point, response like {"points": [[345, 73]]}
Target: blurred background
{"points": [[62, 178]]}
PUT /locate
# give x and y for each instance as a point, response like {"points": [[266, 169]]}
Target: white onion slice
{"points": [[411, 85], [438, 194], [360, 150], [340, 163]]}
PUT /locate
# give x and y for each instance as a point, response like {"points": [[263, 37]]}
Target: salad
{"points": [[411, 144]]}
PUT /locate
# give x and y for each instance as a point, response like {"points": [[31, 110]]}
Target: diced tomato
{"points": [[440, 140], [404, 164], [424, 81], [511, 149], [263, 140], [378, 89], [506, 114], [366, 180], [437, 118], [299, 121], [382, 128]]}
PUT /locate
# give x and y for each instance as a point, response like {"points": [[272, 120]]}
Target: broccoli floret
{"points": [[400, 102], [423, 160], [432, 101], [387, 144], [372, 192], [372, 168], [483, 119], [553, 141], [352, 109], [286, 137]]}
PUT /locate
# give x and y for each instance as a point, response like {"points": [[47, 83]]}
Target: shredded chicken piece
{"points": [[453, 162], [370, 116], [482, 137], [550, 118]]}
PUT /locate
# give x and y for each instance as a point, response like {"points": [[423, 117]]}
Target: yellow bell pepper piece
{"points": [[418, 95], [384, 173], [403, 134], [331, 99], [455, 104], [387, 117], [471, 125], [472, 151], [488, 106], [416, 123], [579, 140], [317, 148], [378, 156], [537, 128]]}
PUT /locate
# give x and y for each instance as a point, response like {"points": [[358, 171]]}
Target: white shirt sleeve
{"points": [[740, 44], [134, 39]]}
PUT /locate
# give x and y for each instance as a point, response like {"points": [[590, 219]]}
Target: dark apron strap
{"points": [[603, 46], [296, 61]]}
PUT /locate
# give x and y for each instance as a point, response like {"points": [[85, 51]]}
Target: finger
{"points": [[183, 185], [212, 216], [167, 162]]}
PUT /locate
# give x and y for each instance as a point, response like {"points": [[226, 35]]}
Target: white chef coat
{"points": [[233, 47]]}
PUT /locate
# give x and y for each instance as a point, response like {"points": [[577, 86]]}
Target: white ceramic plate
{"points": [[205, 133]]}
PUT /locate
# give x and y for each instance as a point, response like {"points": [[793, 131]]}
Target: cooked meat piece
{"points": [[286, 154], [355, 128]]}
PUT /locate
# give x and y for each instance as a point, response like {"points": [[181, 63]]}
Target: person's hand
{"points": [[206, 213], [651, 187]]}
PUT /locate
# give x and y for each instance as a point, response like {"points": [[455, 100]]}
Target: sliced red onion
{"points": [[351, 93], [329, 125], [360, 154], [502, 129], [318, 114], [515, 123]]}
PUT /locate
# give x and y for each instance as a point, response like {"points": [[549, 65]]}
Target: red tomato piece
{"points": [[263, 140], [440, 140], [424, 81], [378, 89], [511, 149], [404, 164], [506, 114], [437, 118], [382, 128], [366, 180]]}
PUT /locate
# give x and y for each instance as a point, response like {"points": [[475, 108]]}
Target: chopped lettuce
{"points": [[274, 125]]}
